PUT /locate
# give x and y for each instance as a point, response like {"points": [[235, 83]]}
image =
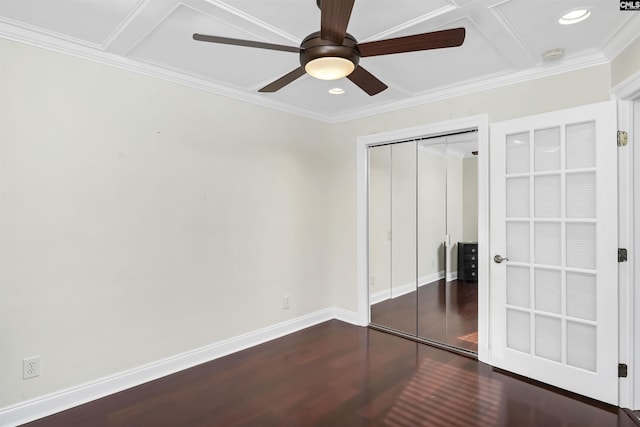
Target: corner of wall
{"points": [[626, 64]]}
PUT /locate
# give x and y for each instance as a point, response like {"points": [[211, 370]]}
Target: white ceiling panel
{"points": [[591, 34], [418, 72], [505, 40], [297, 18], [368, 18], [171, 44], [373, 17], [91, 21]]}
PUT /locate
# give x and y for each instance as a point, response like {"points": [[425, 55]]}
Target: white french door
{"points": [[553, 234]]}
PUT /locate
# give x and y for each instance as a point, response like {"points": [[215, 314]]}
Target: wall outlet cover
{"points": [[30, 367]]}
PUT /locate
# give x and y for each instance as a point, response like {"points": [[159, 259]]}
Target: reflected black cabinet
{"points": [[468, 261]]}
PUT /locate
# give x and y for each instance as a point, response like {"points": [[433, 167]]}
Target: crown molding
{"points": [[11, 31], [627, 34], [628, 89], [573, 63], [20, 31]]}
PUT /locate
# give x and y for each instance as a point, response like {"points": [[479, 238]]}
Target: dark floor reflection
{"points": [[446, 312]]}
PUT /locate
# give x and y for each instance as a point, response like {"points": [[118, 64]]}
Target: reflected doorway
{"points": [[423, 233]]}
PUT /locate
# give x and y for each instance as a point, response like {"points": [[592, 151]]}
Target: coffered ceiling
{"points": [[505, 42]]}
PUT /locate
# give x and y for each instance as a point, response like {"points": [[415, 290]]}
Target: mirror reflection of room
{"points": [[392, 237], [448, 306], [423, 231]]}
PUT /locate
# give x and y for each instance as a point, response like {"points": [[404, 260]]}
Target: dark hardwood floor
{"points": [[446, 312], [335, 374]]}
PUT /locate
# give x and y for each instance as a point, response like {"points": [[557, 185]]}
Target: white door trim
{"points": [[627, 294], [627, 93], [480, 122]]}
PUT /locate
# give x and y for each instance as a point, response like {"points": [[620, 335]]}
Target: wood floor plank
{"points": [[335, 374]]}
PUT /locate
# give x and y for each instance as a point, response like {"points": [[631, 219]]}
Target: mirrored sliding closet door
{"points": [[392, 236], [423, 230]]}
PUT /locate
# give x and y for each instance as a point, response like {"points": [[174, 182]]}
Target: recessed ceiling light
{"points": [[574, 16], [336, 91]]}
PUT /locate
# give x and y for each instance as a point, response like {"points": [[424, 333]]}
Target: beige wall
{"points": [[432, 225], [403, 218], [141, 219], [454, 211], [470, 199], [626, 64]]}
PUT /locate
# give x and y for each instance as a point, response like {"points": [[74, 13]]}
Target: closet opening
{"points": [[423, 239]]}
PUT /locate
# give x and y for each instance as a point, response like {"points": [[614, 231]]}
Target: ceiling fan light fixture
{"points": [[332, 53], [329, 68], [574, 16]]}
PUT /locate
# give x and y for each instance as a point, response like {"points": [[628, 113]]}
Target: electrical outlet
{"points": [[286, 302], [30, 367], [372, 280]]}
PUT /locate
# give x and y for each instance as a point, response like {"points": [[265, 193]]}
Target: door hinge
{"points": [[622, 370], [622, 255], [623, 138]]}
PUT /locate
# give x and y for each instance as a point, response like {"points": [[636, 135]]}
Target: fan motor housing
{"points": [[314, 47]]}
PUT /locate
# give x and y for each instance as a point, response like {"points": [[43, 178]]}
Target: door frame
{"points": [[479, 122], [627, 95]]}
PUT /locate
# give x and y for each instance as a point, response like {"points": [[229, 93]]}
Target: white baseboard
{"points": [[50, 404], [346, 316], [398, 291]]}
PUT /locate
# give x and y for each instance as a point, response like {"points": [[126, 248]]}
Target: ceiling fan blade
{"points": [[434, 40], [366, 81], [284, 80], [247, 43], [334, 19]]}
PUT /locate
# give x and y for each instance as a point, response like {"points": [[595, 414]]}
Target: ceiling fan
{"points": [[332, 53]]}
